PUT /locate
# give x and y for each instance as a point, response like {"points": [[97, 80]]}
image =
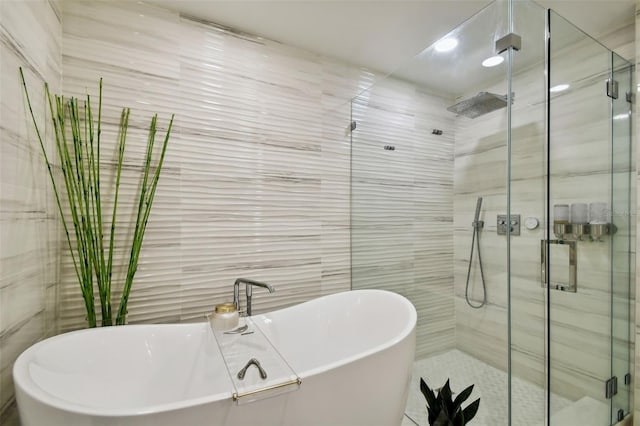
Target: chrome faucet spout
{"points": [[249, 291]]}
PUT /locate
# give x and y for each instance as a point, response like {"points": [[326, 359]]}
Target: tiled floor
{"points": [[490, 386]]}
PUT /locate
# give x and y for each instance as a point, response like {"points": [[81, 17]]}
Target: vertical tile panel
{"points": [[402, 204], [30, 37], [134, 48], [257, 178]]}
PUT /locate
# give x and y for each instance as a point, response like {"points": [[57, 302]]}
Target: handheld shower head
{"points": [[475, 239], [478, 206]]}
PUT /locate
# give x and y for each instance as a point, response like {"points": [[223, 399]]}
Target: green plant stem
{"points": [[78, 143], [59, 132], [143, 216]]}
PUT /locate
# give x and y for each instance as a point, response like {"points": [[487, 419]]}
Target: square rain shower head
{"points": [[480, 104]]}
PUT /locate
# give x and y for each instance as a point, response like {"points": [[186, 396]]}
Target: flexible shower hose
{"points": [[475, 240]]}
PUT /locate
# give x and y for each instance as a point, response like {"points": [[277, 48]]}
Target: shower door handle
{"points": [[572, 285]]}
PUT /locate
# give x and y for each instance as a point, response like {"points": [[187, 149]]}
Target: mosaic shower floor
{"points": [[490, 385]]}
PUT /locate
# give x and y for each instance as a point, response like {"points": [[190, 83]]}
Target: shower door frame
{"points": [[549, 237]]}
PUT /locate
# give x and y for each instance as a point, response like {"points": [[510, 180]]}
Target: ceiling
{"points": [[378, 34]]}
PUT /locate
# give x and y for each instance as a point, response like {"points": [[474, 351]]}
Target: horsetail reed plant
{"points": [[77, 138]]}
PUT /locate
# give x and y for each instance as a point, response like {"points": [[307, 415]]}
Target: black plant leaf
{"points": [[459, 419], [428, 394], [443, 410], [447, 403], [462, 397], [442, 420], [471, 410], [432, 415]]}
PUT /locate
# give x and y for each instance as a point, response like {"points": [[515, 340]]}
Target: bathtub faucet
{"points": [[249, 291]]}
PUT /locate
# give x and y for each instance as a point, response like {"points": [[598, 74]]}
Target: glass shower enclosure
{"points": [[492, 185]]}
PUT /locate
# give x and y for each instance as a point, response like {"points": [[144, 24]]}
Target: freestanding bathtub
{"points": [[353, 352]]}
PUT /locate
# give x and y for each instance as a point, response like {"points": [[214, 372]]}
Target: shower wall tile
{"points": [[402, 204], [30, 37]]}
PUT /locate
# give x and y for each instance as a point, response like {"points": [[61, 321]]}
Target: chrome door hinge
{"points": [[611, 387], [350, 128], [612, 89], [511, 40], [629, 97]]}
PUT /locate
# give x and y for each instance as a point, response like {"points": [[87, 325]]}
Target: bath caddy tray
{"points": [[270, 376]]}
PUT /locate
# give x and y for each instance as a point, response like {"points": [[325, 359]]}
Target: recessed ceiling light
{"points": [[493, 61], [446, 44], [559, 88]]}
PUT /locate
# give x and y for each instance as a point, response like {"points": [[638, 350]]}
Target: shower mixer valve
{"points": [[513, 224]]}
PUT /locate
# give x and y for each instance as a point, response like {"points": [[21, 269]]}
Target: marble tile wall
{"points": [[257, 181], [254, 185], [402, 204], [30, 37]]}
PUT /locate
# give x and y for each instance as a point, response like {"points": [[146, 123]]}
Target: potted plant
{"points": [[443, 410], [79, 197]]}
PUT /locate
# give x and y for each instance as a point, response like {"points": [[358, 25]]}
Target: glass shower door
{"points": [[622, 247], [587, 257]]}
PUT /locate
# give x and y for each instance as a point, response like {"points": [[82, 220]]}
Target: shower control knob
{"points": [[531, 223]]}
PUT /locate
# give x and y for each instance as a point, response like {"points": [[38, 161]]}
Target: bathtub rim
{"points": [[21, 375], [406, 331], [50, 400]]}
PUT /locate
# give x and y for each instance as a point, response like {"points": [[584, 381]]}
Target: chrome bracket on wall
{"points": [[611, 387], [510, 40], [350, 128], [572, 285], [612, 89]]}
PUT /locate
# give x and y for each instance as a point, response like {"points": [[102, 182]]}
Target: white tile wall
{"points": [[256, 182], [402, 203], [258, 172], [30, 36]]}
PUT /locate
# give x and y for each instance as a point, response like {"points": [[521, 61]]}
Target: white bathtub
{"points": [[352, 350]]}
